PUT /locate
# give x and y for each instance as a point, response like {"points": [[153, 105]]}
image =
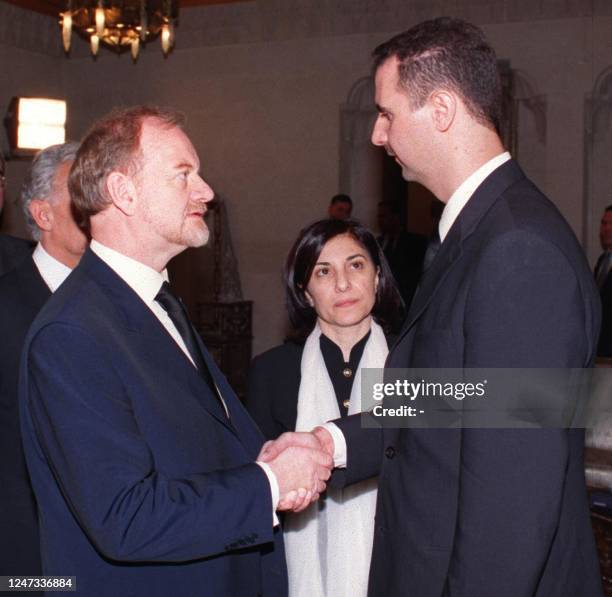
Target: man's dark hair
{"points": [[447, 53], [609, 208], [388, 307], [341, 198]]}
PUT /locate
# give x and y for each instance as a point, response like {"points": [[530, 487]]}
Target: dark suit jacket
{"points": [[144, 487], [12, 251], [22, 294], [604, 348], [482, 512], [274, 385]]}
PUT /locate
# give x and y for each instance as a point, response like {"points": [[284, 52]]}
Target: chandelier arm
{"points": [[120, 24]]}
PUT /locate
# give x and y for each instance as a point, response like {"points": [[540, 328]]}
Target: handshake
{"points": [[302, 463]]}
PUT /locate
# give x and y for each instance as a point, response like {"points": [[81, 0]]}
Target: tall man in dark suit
{"points": [[475, 512], [603, 277], [12, 249], [142, 459], [23, 291]]}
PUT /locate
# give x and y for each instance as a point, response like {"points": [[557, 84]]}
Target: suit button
{"points": [[390, 452]]}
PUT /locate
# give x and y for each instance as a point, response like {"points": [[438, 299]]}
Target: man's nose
{"points": [[379, 133], [203, 190]]}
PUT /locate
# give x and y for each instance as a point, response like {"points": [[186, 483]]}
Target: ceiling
{"points": [[54, 7]]}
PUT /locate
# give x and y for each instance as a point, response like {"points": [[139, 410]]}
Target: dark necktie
{"points": [[178, 314], [432, 250], [433, 246]]}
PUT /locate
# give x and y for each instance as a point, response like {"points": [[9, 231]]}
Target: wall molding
{"points": [[257, 21]]}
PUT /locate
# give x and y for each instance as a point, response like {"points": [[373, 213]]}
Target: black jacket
{"points": [[483, 512], [12, 251], [22, 294], [604, 348], [274, 383]]}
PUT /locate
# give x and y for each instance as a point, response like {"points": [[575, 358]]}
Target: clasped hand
{"points": [[302, 463]]}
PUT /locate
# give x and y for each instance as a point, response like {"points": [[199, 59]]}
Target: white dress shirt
{"points": [[52, 271], [465, 190], [146, 283], [453, 208]]}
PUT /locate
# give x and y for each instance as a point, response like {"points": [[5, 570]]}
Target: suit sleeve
{"points": [[364, 450], [525, 308], [79, 412]]}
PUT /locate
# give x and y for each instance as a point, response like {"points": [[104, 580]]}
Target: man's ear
{"points": [[42, 214], [122, 191], [443, 105]]}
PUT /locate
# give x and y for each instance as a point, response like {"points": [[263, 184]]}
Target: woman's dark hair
{"points": [[388, 306]]}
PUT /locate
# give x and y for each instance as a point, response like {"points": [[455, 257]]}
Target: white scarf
{"points": [[329, 545]]}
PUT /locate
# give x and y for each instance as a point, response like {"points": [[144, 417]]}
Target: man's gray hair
{"points": [[39, 182]]}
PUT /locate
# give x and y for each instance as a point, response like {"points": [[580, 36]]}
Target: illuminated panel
{"points": [[41, 123]]}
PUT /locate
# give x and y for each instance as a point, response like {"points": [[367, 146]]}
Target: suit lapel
{"points": [[150, 334], [464, 226], [244, 427], [32, 288]]}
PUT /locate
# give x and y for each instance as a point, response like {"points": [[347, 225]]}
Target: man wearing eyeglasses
{"points": [[12, 249]]}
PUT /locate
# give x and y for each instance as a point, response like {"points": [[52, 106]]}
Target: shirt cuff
{"points": [[274, 490], [339, 444]]}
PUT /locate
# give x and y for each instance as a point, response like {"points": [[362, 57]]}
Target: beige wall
{"points": [[262, 92], [22, 73]]}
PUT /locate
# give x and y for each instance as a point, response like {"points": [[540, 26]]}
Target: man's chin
{"points": [[199, 240]]}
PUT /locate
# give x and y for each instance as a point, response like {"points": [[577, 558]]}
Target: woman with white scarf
{"points": [[340, 292]]}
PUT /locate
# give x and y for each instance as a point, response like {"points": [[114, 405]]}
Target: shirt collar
{"points": [[52, 271], [141, 278], [465, 190]]}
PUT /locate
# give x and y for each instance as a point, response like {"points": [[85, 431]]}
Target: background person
{"points": [[12, 249], [340, 207], [403, 250], [23, 291], [339, 292], [603, 277]]}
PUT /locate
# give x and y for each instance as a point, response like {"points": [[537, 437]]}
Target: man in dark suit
{"points": [[23, 291], [12, 249], [142, 459], [404, 250], [475, 512], [603, 277]]}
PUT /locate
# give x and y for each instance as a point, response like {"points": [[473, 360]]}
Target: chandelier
{"points": [[120, 24]]}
